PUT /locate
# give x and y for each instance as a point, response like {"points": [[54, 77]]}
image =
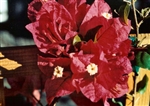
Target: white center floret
{"points": [[92, 69], [114, 55], [107, 15], [58, 71]]}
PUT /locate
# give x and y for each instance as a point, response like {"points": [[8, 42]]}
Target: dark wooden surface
{"points": [[2, 96], [24, 55]]}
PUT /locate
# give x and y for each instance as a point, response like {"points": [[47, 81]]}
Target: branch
{"points": [[135, 18], [37, 100]]}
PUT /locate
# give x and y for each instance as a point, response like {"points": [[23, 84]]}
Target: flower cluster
{"points": [[83, 47]]}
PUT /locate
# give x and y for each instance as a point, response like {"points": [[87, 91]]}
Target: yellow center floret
{"points": [[58, 71], [92, 69]]}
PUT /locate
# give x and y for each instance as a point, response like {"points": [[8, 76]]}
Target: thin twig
{"points": [[135, 18], [139, 13], [140, 22], [37, 100], [135, 87], [137, 35]]}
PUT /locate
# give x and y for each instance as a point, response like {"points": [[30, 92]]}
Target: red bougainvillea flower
{"points": [[59, 82], [99, 66], [33, 9], [53, 28], [77, 9], [96, 76], [115, 33], [94, 16], [56, 23]]}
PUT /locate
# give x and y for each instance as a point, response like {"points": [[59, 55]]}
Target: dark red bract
{"points": [[111, 79]]}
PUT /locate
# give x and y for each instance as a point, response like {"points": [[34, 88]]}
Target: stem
{"points": [[137, 35], [37, 100], [135, 87], [135, 18], [53, 102]]}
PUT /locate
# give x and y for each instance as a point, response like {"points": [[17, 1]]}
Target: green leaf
{"points": [[142, 85], [117, 102], [124, 12], [146, 60], [76, 39], [148, 49], [142, 59]]}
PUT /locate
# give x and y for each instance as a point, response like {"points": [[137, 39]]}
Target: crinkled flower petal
{"points": [[33, 9], [109, 82], [93, 14], [75, 8], [58, 87], [112, 34], [53, 24], [47, 65]]}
